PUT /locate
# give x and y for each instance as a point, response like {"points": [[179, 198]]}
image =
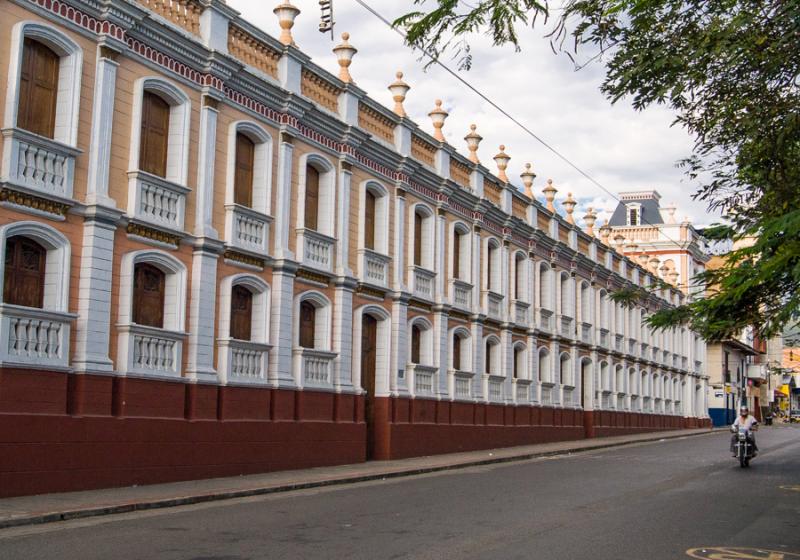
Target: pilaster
{"points": [[343, 336], [399, 357], [283, 198], [202, 310], [102, 123], [343, 221], [281, 334], [207, 148], [440, 351]]}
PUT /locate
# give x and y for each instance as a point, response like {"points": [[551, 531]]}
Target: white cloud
{"points": [[620, 148]]}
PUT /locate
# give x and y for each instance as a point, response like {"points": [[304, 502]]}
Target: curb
{"points": [[67, 515]]}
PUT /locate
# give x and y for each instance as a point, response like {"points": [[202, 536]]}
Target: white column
{"points": [[504, 266], [281, 338], [343, 223], [92, 327], [439, 255], [343, 336], [507, 349], [206, 155], [476, 271], [440, 349], [399, 345], [102, 123], [283, 201], [477, 360], [202, 313], [399, 244]]}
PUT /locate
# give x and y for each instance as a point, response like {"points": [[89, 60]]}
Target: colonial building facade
{"points": [[220, 258]]}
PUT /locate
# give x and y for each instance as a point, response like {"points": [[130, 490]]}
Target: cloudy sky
{"points": [[620, 148]]}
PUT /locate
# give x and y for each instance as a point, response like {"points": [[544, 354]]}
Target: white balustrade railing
{"points": [[604, 335], [460, 384], [522, 390], [635, 403], [247, 229], [632, 347], [620, 398], [565, 327], [461, 294], [546, 320], [605, 401], [569, 396], [313, 368], [374, 267], [678, 407], [422, 282], [317, 249], [547, 395], [422, 379], [493, 305], [521, 312], [34, 337], [698, 366], [242, 361], [647, 404], [586, 333], [494, 385], [38, 164], [619, 340], [684, 362], [156, 201], [150, 351]]}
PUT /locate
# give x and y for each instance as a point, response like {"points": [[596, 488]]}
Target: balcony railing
{"points": [[522, 390], [313, 368], [156, 201], [635, 403], [461, 294], [247, 229], [494, 387], [586, 333], [422, 379], [632, 347], [242, 361], [645, 350], [565, 327], [38, 164], [655, 353], [684, 363], [547, 395], [546, 320], [620, 397], [521, 312], [374, 267], [569, 396], [150, 351], [493, 305], [422, 282], [34, 337], [606, 400], [603, 335], [619, 340], [317, 249], [460, 384], [698, 366]]}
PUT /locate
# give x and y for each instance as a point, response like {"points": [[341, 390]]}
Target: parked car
{"points": [[794, 415]]}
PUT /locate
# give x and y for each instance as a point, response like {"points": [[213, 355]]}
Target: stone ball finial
{"points": [[438, 116], [287, 13], [590, 219], [569, 207], [502, 159], [473, 140], [527, 177], [345, 52], [550, 195], [399, 90]]}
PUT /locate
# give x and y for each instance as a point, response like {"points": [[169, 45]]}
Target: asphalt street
{"points": [[647, 501]]}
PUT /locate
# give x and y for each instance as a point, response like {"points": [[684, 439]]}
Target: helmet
{"points": [[744, 410]]}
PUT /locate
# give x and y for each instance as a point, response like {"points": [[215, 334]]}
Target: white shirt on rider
{"points": [[746, 423]]}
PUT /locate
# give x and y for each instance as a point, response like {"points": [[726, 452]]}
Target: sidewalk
{"points": [[48, 508]]}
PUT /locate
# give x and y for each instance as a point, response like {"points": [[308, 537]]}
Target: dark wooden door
{"points": [[23, 282], [154, 135], [241, 313], [243, 176], [148, 295], [307, 324], [369, 221], [38, 89], [369, 334], [312, 198]]}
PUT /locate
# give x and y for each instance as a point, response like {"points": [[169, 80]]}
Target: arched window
{"points": [[545, 286], [457, 243], [308, 327], [148, 295], [604, 301], [38, 89], [565, 369], [244, 170], [241, 313], [585, 304], [544, 369], [312, 198], [520, 362], [416, 342], [153, 140], [491, 358], [520, 277], [24, 273], [420, 334], [422, 228], [565, 299], [493, 266], [369, 220]]}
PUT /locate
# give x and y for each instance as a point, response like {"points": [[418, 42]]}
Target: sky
{"points": [[620, 148]]}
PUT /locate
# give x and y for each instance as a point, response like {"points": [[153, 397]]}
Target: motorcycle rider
{"points": [[747, 421]]}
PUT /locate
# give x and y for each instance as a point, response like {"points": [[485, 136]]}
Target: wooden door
{"points": [[24, 272], [307, 324], [241, 313], [369, 221], [311, 216], [148, 295], [154, 135], [243, 170], [417, 239], [369, 335], [38, 89]]}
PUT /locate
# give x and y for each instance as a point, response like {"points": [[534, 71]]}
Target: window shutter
{"points": [[38, 89], [241, 313], [488, 358], [369, 221], [415, 343], [148, 295], [457, 256], [155, 134], [417, 239], [312, 198], [456, 352], [489, 259], [243, 174], [24, 272], [307, 324]]}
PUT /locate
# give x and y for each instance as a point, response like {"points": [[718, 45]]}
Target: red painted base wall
{"points": [[62, 432]]}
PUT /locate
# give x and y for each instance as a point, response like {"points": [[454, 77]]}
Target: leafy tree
{"points": [[730, 71]]}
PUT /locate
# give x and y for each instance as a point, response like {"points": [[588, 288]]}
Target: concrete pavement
{"points": [[49, 508]]}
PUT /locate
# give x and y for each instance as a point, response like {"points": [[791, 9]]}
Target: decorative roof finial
{"points": [[473, 140], [673, 277], [286, 13], [502, 160], [345, 52], [569, 206], [605, 233], [438, 116], [550, 195], [527, 177], [654, 262], [589, 219], [399, 90], [619, 241]]}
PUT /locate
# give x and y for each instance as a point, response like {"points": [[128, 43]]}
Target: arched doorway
{"points": [[369, 343]]}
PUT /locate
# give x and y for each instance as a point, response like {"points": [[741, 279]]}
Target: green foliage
{"points": [[730, 71]]}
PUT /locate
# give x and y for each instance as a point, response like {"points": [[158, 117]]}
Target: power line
{"points": [[505, 113]]}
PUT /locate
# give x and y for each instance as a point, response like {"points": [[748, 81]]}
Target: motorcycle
{"points": [[743, 446]]}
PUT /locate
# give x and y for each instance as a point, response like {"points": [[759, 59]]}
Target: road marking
{"points": [[792, 487], [737, 553]]}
